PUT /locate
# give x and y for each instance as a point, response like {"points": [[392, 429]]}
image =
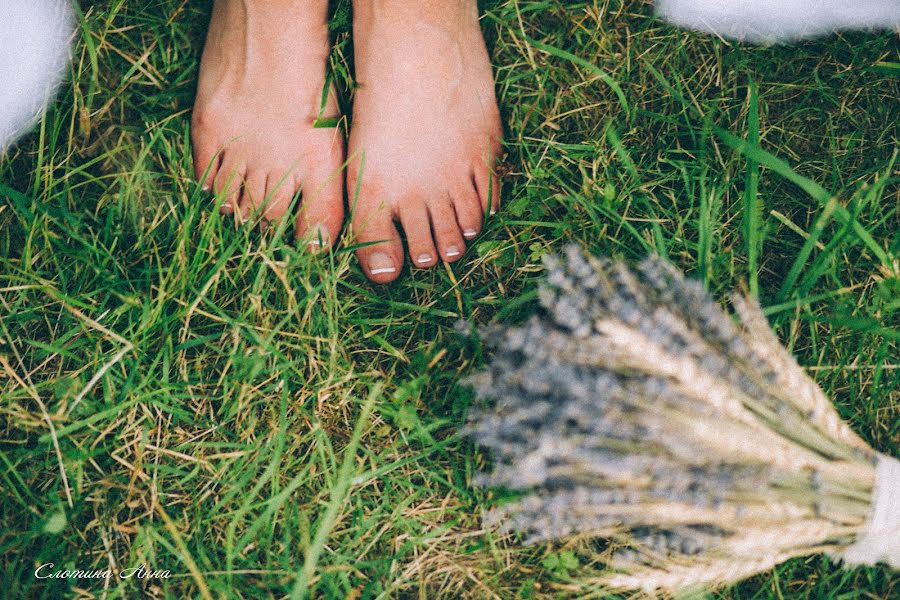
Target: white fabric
{"points": [[880, 542], [779, 20], [34, 49]]}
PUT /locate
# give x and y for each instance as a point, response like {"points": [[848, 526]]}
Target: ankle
{"points": [[312, 13], [441, 12], [279, 30]]}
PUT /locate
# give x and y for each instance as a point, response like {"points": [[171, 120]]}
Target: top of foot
{"points": [[426, 121]]}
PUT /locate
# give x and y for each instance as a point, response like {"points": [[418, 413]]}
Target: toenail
{"points": [[469, 234], [380, 263], [452, 251], [423, 259], [320, 238], [206, 188]]}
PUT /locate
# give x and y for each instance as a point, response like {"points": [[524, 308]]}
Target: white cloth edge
{"points": [[773, 21]]}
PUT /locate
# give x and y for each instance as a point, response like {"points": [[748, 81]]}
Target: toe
{"points": [[417, 226], [253, 195], [469, 211], [382, 255], [447, 235], [322, 211], [228, 182], [206, 160], [280, 190], [488, 187]]}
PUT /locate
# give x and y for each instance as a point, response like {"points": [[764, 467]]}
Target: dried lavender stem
{"points": [[636, 409]]}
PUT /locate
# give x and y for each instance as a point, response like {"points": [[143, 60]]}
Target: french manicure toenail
{"points": [[206, 188], [320, 237], [423, 259], [469, 234], [452, 251], [380, 263]]}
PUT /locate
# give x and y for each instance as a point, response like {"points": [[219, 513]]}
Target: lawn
{"points": [[185, 394]]}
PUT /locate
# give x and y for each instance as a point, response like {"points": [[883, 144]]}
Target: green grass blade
{"points": [[752, 208], [600, 73], [815, 191], [338, 496]]}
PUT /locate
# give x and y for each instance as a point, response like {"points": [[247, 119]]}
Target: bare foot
{"points": [[260, 91], [425, 119]]}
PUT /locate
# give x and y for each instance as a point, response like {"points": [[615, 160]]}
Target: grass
{"points": [[184, 394]]}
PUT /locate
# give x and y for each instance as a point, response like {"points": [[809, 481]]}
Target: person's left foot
{"points": [[426, 120]]}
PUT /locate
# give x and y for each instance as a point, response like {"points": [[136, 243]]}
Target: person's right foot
{"points": [[260, 90], [427, 121]]}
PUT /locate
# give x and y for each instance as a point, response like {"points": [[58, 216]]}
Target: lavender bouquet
{"points": [[635, 409]]}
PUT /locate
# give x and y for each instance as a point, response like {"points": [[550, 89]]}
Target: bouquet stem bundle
{"points": [[635, 409]]}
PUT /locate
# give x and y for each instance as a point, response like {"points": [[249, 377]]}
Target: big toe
{"points": [[381, 251], [321, 210]]}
